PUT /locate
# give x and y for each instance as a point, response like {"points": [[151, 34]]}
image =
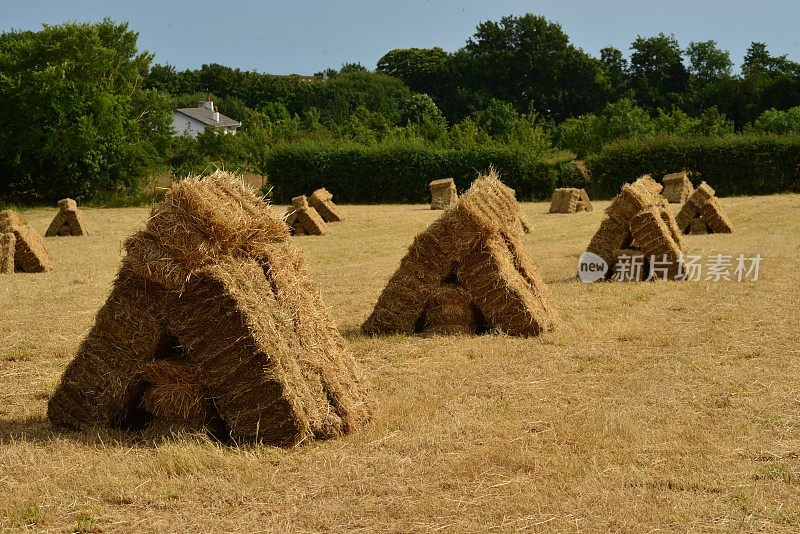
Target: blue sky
{"points": [[307, 36]]}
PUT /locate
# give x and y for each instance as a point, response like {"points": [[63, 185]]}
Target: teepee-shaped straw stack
{"points": [[213, 319], [640, 223], [468, 272], [69, 221]]}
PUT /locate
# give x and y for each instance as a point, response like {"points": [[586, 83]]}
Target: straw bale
{"points": [[701, 195], [300, 202], [7, 245], [451, 311], [610, 237], [647, 185], [507, 288], [321, 195], [30, 254], [630, 201], [652, 236], [684, 218], [584, 204], [66, 204], [249, 322], [311, 221], [698, 227], [677, 187], [669, 219], [477, 241], [57, 225], [565, 200], [443, 193], [322, 201], [173, 391], [715, 217]]}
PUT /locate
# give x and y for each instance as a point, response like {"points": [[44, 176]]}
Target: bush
{"points": [[400, 173], [733, 165]]}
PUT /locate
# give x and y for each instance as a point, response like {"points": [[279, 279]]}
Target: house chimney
{"points": [[215, 115], [208, 104]]}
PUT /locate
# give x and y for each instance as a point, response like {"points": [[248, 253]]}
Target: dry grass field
{"points": [[663, 406]]}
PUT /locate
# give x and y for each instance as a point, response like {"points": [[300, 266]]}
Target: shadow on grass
{"points": [[38, 430]]}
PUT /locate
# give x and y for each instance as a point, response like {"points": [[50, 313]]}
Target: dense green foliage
{"points": [[91, 116], [77, 121], [733, 164], [402, 172]]}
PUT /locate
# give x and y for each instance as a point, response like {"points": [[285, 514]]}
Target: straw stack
{"points": [[476, 245], [69, 221], [322, 201], [702, 213], [570, 200], [302, 219], [639, 222], [30, 254], [213, 319]]}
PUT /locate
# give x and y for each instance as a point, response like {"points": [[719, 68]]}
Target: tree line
{"points": [[86, 112]]}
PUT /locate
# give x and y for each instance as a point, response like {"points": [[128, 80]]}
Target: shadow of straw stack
{"points": [[213, 316]]}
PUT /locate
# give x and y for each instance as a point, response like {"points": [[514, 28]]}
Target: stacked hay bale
{"points": [[639, 223], [703, 214], [213, 317], [302, 219], [7, 245], [443, 193], [677, 187], [450, 311], [322, 201], [570, 200], [476, 247], [29, 253], [69, 221]]}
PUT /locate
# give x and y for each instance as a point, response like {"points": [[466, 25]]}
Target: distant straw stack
{"points": [[443, 193], [30, 254], [477, 244], [213, 317], [302, 219], [69, 221], [639, 222], [570, 200], [703, 206], [322, 201]]}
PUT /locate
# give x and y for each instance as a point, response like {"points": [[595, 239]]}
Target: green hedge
{"points": [[732, 165], [400, 174]]}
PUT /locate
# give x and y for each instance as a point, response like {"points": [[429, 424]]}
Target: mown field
{"points": [[666, 406]]}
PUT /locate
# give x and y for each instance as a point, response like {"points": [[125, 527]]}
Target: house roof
{"points": [[204, 115]]}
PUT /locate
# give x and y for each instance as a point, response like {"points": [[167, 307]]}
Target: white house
{"points": [[192, 121]]}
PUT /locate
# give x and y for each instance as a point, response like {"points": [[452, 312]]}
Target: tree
{"points": [[709, 76], [77, 120], [774, 121], [658, 76], [422, 69], [530, 63], [615, 69]]}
